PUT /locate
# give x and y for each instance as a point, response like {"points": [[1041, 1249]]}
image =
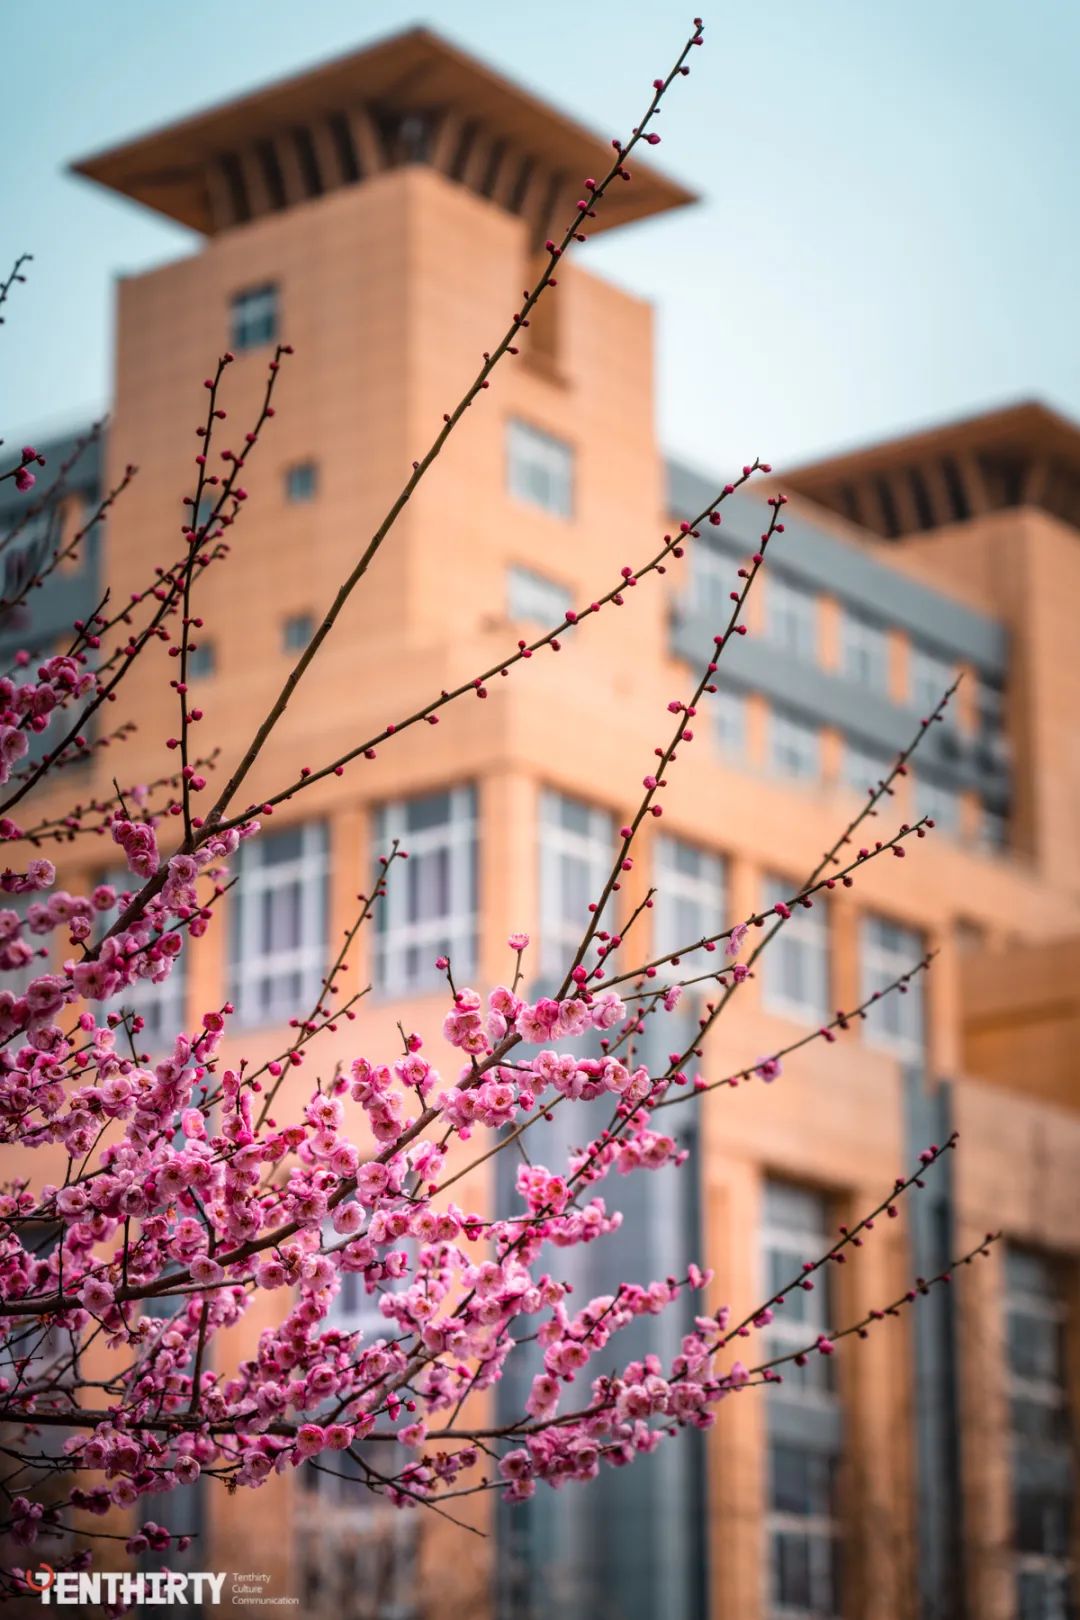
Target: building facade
{"points": [[381, 214]]}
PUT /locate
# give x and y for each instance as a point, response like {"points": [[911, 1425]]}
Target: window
{"points": [[161, 1006], [301, 482], [794, 747], [791, 618], [201, 661], [886, 950], [729, 708], [19, 958], [931, 677], [940, 803], [253, 318], [863, 768], [803, 1415], [576, 854], [540, 469], [864, 652], [689, 901], [993, 828], [530, 595], [990, 702], [711, 579], [1043, 1472], [795, 981], [205, 510], [279, 924], [431, 898], [297, 631]]}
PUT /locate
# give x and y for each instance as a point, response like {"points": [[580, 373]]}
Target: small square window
{"points": [[201, 661], [886, 952], [794, 748], [863, 769], [540, 469], [791, 618], [864, 649], [940, 803], [795, 977], [930, 678], [253, 318], [729, 707], [301, 482], [297, 631], [534, 596]]}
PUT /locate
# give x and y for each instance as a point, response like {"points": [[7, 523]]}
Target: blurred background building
{"points": [[382, 214]]}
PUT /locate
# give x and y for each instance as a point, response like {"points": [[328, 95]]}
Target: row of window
{"points": [[297, 630], [791, 623], [793, 747], [804, 1518], [279, 918], [793, 741]]}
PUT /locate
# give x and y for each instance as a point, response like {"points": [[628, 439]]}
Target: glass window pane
{"points": [[430, 905], [576, 853], [533, 596], [540, 469]]}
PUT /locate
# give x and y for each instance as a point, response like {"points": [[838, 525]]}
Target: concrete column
{"points": [[509, 870], [829, 631], [736, 1464], [844, 974], [985, 1472], [876, 1389]]}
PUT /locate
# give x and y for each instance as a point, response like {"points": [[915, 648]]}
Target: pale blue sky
{"points": [[889, 231]]}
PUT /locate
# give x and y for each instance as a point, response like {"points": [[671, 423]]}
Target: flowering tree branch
{"points": [[174, 1194]]}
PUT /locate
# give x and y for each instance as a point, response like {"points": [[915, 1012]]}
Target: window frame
{"points": [[705, 889], [302, 482], [864, 651], [529, 448], [783, 1234], [289, 643], [789, 731], [595, 846], [929, 795], [254, 317], [890, 961], [730, 717], [791, 617], [1048, 1304], [250, 965], [798, 930], [458, 928], [521, 579], [854, 756], [930, 674]]}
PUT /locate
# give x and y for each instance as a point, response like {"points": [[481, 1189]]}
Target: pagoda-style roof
{"points": [[1019, 455], [412, 98]]}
